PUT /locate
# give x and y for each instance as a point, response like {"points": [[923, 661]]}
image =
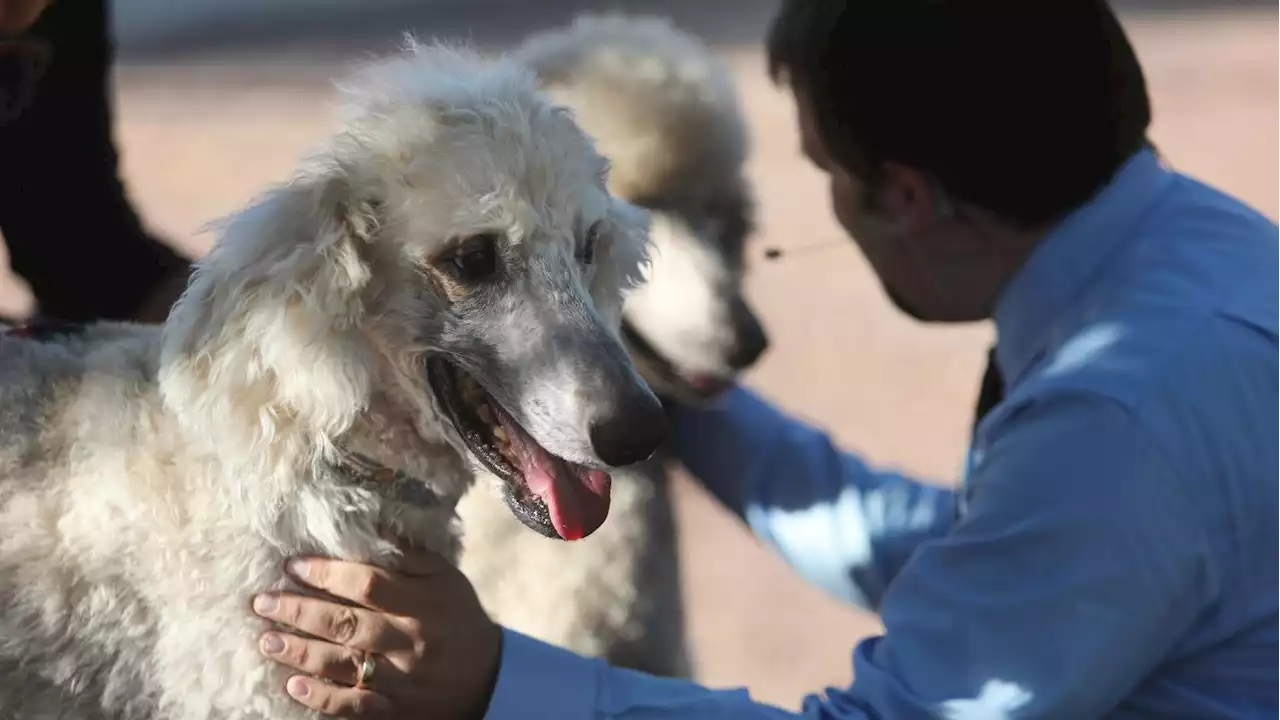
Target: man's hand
{"points": [[433, 649]]}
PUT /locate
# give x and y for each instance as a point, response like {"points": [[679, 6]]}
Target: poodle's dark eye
{"points": [[476, 258], [587, 251]]}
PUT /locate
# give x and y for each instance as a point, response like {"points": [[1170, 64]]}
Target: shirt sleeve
{"points": [[1073, 573], [844, 526]]}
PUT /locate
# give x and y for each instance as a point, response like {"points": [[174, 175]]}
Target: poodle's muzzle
{"points": [[690, 328], [549, 406]]}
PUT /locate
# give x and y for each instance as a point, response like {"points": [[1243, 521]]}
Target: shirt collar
{"points": [[1068, 258]]}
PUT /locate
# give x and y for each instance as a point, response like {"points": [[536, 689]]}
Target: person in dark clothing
{"points": [[65, 215]]}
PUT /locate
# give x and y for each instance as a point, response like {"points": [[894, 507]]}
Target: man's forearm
{"points": [[844, 525]]}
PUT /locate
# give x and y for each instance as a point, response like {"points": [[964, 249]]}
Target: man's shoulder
{"points": [[1197, 288], [1198, 384], [1135, 355], [1188, 402], [1192, 196]]}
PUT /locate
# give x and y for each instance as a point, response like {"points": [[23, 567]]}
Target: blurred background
{"points": [[216, 98]]}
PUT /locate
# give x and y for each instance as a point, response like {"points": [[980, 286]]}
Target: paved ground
{"points": [[212, 107]]}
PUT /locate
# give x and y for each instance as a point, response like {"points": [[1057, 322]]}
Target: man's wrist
{"points": [[537, 681], [490, 681]]}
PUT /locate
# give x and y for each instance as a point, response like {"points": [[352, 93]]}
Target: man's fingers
{"points": [[423, 563], [354, 627], [332, 662], [400, 593], [362, 584], [414, 561], [338, 700], [317, 657]]}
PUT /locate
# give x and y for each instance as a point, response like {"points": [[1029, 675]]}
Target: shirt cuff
{"points": [[537, 681]]}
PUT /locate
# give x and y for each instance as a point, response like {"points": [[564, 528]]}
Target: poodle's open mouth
{"points": [[550, 495], [687, 386]]}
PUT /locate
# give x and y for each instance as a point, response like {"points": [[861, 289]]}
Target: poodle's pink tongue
{"points": [[576, 497]]}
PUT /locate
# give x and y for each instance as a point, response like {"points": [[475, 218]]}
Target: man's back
{"points": [[1173, 320]]}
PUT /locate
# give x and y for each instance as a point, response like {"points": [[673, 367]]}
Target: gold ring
{"points": [[367, 667]]}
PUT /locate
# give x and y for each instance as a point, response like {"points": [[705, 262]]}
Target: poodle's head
{"points": [[664, 110], [455, 249]]}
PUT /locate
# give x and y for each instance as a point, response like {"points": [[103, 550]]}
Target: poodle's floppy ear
{"points": [[264, 347], [621, 260]]}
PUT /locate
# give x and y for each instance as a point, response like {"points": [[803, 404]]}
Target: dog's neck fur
{"points": [[308, 493], [368, 498], [379, 469]]}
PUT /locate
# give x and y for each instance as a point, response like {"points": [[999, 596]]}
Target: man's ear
{"points": [[265, 347], [910, 197]]}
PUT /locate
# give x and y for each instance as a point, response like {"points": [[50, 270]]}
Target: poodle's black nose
{"points": [[750, 341], [631, 434]]}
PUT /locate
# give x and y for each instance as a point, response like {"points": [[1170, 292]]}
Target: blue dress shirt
{"points": [[1113, 549]]}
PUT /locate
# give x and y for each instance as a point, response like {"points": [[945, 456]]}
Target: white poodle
{"points": [[436, 296], [664, 111]]}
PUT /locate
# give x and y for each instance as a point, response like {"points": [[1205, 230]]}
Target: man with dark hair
{"points": [[1112, 551], [71, 231]]}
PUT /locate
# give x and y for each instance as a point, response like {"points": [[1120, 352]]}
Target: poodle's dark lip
{"points": [[658, 364], [529, 509]]}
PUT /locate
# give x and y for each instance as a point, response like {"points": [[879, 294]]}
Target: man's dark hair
{"points": [[1024, 107]]}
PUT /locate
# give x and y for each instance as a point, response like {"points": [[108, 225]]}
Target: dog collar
{"points": [[365, 472]]}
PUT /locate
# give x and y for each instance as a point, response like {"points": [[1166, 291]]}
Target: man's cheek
{"points": [[844, 204]]}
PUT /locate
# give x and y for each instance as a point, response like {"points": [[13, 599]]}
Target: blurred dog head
{"points": [[664, 110]]}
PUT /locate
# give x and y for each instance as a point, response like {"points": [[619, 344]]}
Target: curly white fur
{"points": [[152, 481], [663, 109]]}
